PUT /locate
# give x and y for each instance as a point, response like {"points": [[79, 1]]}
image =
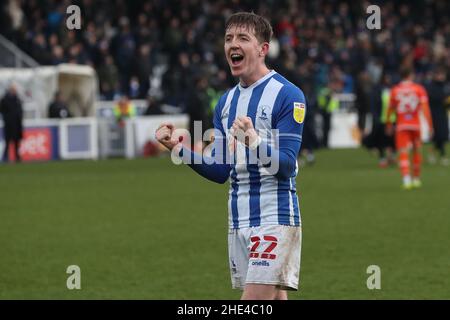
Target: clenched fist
{"points": [[243, 130], [164, 134]]}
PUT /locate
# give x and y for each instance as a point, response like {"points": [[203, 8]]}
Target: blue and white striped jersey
{"points": [[256, 195]]}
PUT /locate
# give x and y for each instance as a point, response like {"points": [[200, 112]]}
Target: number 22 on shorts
{"points": [[266, 254]]}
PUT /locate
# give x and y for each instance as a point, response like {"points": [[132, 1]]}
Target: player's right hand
{"points": [[164, 135]]}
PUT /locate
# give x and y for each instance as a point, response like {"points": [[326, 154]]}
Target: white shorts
{"points": [[265, 255]]}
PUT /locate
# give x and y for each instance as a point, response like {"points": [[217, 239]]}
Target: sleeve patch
{"points": [[299, 112]]}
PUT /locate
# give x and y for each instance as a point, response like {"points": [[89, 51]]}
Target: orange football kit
{"points": [[407, 100]]}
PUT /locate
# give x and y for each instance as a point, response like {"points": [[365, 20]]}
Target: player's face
{"points": [[243, 51]]}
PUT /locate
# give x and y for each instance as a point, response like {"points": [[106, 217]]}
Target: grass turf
{"points": [[147, 229]]}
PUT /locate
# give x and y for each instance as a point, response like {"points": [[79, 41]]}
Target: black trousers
{"points": [[16, 149], [326, 126], [439, 144]]}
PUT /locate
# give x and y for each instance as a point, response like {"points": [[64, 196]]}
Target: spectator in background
{"points": [[327, 103], [362, 103], [57, 55], [40, 50], [12, 113], [153, 106], [58, 108], [12, 18], [134, 88], [124, 45], [379, 103], [310, 141], [329, 35], [143, 70], [123, 110], [439, 96], [6, 18], [215, 90], [108, 77], [176, 81], [173, 37], [197, 107]]}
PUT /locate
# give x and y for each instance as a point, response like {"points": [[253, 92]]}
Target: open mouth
{"points": [[236, 59]]}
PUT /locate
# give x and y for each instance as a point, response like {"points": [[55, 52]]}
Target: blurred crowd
{"points": [[167, 49]]}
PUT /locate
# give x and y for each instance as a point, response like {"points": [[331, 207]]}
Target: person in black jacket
{"points": [[197, 105], [153, 106], [439, 96], [12, 113], [377, 139], [58, 108]]}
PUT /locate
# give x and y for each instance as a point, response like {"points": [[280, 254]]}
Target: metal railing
{"points": [[13, 57]]}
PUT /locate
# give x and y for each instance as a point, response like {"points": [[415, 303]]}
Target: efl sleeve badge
{"points": [[299, 112]]}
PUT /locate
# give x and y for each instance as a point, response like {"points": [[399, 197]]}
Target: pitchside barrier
{"points": [[50, 139], [102, 137], [131, 139], [89, 138]]}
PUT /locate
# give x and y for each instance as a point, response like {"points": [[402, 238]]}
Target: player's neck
{"points": [[250, 79], [408, 80]]}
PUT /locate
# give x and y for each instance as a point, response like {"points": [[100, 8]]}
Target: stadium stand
{"points": [[128, 41], [155, 50]]}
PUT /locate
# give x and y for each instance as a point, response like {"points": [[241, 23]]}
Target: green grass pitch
{"points": [[148, 229]]}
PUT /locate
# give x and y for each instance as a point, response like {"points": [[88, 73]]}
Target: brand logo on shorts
{"points": [[233, 267], [261, 263]]}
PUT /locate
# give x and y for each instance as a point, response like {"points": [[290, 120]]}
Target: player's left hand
{"points": [[243, 130]]}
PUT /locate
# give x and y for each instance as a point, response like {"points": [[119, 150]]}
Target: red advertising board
{"points": [[36, 145]]}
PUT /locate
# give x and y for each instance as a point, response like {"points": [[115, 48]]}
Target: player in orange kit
{"points": [[407, 100]]}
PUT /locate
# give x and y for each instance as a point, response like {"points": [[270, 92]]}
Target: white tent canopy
{"points": [[37, 86]]}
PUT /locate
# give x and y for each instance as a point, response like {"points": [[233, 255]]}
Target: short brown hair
{"points": [[260, 25], [406, 71]]}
